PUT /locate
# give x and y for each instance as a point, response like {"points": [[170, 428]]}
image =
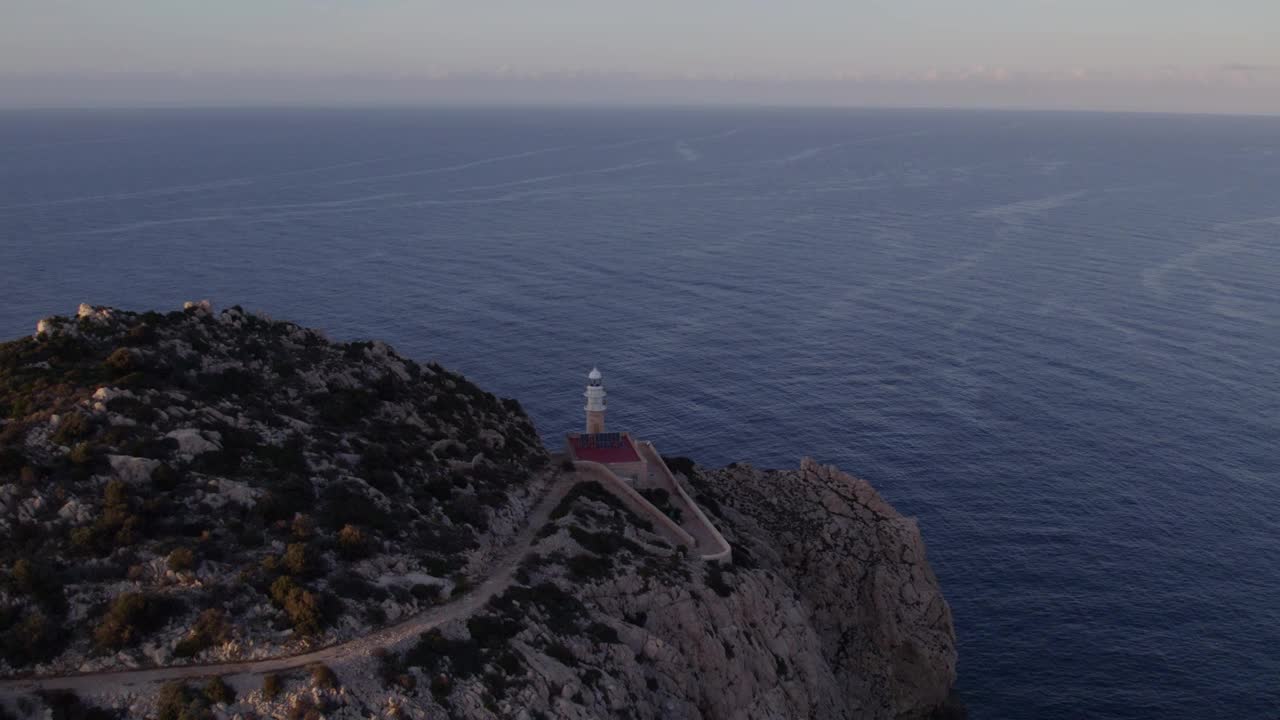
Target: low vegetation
{"points": [[227, 462], [211, 628], [322, 676], [271, 686]]}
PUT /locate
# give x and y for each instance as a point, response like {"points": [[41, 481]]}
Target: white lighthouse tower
{"points": [[595, 402]]}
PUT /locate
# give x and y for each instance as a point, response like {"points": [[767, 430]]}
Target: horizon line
{"points": [[640, 104]]}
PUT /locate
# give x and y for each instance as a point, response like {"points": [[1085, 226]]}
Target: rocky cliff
{"points": [[200, 487]]}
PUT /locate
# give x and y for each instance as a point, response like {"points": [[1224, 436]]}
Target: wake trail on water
{"points": [[65, 143], [629, 143], [1154, 278], [205, 187], [813, 152], [451, 168], [1013, 218], [351, 206], [317, 204], [111, 197], [559, 176], [243, 181], [715, 136], [235, 217]]}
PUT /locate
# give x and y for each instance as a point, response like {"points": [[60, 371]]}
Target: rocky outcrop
{"points": [[304, 490], [862, 576], [826, 607], [828, 611]]}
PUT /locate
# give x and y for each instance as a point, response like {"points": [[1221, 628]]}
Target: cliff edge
{"points": [[223, 490]]}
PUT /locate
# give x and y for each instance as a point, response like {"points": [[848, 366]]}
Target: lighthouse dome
{"points": [[594, 374]]}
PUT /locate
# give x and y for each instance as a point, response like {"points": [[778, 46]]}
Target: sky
{"points": [[1156, 55]]}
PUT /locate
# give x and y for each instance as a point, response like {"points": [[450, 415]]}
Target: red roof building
{"points": [[604, 448], [614, 450]]}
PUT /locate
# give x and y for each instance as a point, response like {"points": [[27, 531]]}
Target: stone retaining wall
{"points": [[720, 550], [635, 501]]}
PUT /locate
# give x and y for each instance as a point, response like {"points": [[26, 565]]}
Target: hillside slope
{"points": [[193, 487]]}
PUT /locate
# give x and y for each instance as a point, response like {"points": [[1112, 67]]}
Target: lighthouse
{"points": [[615, 451], [595, 402]]}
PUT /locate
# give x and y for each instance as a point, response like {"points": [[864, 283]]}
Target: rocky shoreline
{"points": [[203, 486]]}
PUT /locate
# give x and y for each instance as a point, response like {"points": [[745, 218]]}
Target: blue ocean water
{"points": [[1051, 337]]}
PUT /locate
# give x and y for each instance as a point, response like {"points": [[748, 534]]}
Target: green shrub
{"points": [[210, 629], [11, 459], [176, 701], [26, 577], [181, 560], [590, 567], [116, 527], [435, 653], [64, 704], [270, 686], [661, 499], [467, 510], [603, 543], [164, 477], [270, 563], [493, 631], [34, 638], [348, 504], [563, 613], [298, 559], [561, 652], [289, 494], [406, 682], [425, 593], [122, 361], [351, 542], [346, 406], [141, 334], [130, 616], [219, 692], [119, 627], [303, 609], [116, 494], [303, 708], [303, 527], [715, 580], [281, 588], [604, 634], [681, 465], [322, 676], [301, 606], [441, 686], [81, 454], [73, 427]]}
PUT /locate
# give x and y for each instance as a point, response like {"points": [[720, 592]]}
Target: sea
{"points": [[1052, 338]]}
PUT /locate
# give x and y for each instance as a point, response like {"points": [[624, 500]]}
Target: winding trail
{"points": [[710, 544], [238, 673]]}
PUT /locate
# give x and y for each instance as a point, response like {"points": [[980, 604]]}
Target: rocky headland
{"points": [[250, 520]]}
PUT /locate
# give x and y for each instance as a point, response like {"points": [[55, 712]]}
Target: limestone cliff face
{"points": [[830, 611], [864, 585]]}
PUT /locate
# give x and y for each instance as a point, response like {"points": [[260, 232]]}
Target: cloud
{"points": [[1248, 68], [1228, 88]]}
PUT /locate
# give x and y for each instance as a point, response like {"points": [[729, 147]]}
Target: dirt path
{"points": [[498, 580]]}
